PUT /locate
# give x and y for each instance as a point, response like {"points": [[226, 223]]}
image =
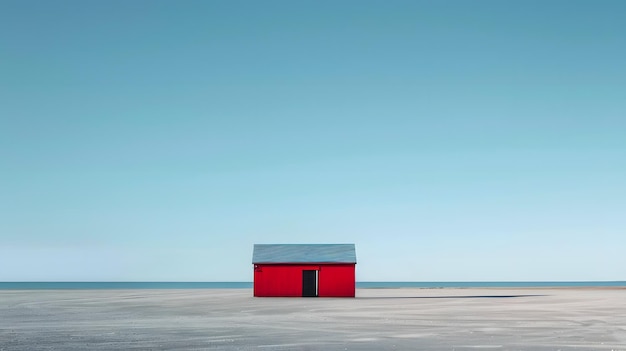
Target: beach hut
{"points": [[308, 270]]}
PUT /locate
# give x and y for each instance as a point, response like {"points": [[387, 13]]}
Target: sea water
{"points": [[248, 285]]}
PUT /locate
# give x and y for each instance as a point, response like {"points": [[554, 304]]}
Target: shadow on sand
{"points": [[449, 297]]}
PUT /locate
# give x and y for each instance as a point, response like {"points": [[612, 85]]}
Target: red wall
{"points": [[334, 280]]}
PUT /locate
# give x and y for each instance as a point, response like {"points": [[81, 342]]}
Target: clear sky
{"points": [[449, 140]]}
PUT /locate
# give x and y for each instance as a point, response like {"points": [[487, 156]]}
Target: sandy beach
{"points": [[377, 319]]}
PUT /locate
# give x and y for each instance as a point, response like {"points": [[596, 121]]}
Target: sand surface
{"points": [[378, 319]]}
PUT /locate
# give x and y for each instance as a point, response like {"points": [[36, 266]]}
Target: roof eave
{"points": [[300, 263]]}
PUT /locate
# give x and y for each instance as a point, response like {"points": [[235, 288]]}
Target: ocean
{"points": [[248, 285]]}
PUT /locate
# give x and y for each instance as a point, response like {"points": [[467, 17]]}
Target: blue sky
{"points": [[449, 140]]}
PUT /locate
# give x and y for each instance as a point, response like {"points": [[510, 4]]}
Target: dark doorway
{"points": [[309, 283]]}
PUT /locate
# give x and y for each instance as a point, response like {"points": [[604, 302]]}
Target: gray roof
{"points": [[304, 253]]}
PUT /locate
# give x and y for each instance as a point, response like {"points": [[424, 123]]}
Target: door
{"points": [[309, 283]]}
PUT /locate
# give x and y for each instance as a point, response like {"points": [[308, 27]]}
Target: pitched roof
{"points": [[304, 253]]}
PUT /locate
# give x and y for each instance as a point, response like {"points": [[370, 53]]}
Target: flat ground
{"points": [[378, 319]]}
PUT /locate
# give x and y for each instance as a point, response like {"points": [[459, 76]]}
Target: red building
{"points": [[310, 270]]}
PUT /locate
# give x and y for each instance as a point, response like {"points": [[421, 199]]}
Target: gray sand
{"points": [[378, 319]]}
